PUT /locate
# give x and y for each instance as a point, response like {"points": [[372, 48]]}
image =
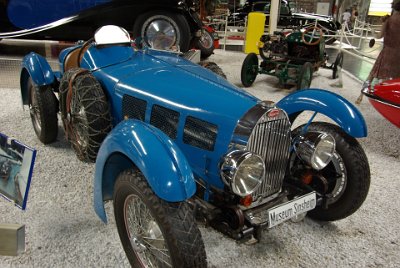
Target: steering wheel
{"points": [[312, 35], [83, 49]]}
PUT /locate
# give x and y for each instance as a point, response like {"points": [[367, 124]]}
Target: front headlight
{"points": [[242, 171], [316, 149]]}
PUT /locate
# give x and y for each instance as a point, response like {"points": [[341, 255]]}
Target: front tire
{"points": [[347, 176], [43, 111], [163, 30], [153, 232], [338, 63], [86, 118], [305, 76], [249, 70]]}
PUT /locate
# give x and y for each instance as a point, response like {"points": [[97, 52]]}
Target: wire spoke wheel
{"points": [[80, 123], [153, 232], [145, 235]]}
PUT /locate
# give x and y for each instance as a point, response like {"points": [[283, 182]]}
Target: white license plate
{"points": [[285, 211]]}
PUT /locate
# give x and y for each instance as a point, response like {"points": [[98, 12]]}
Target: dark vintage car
{"points": [[172, 141], [77, 20], [286, 18]]}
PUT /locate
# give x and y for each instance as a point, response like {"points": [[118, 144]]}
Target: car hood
{"points": [[173, 82], [179, 84]]}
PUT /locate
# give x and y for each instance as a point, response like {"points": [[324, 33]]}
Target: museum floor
{"points": [[62, 229]]}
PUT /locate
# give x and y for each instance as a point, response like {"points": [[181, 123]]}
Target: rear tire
{"points": [[162, 225], [43, 111], [175, 30], [88, 120], [213, 67], [249, 70]]}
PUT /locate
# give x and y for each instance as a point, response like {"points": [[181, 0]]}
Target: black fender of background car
{"points": [[28, 19]]}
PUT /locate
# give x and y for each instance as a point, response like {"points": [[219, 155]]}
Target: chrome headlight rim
{"points": [[230, 166], [308, 148]]}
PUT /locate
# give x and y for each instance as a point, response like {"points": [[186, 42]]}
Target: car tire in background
{"points": [[43, 110], [85, 113], [163, 30], [205, 43], [249, 70], [305, 76], [338, 63]]}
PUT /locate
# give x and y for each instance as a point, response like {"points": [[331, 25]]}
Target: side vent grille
{"points": [[200, 133], [133, 107], [165, 119]]}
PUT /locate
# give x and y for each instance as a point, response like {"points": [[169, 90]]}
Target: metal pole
{"points": [[273, 16]]}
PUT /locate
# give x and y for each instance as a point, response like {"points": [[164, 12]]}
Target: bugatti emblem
{"points": [[273, 113]]}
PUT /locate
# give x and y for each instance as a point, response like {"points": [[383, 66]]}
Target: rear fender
{"points": [[135, 144], [340, 110], [36, 67]]}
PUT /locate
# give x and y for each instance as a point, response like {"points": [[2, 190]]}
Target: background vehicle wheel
{"points": [[338, 63], [86, 118], [205, 43], [43, 111], [163, 30], [212, 66], [249, 69], [305, 76], [345, 180], [153, 232]]}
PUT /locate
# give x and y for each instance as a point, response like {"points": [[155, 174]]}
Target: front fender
{"points": [[134, 143], [340, 110], [36, 67]]}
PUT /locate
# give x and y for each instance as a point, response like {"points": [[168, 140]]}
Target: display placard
{"points": [[16, 166]]}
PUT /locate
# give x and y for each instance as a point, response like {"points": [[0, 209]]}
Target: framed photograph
{"points": [[16, 166]]}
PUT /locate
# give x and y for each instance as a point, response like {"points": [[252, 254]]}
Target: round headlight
{"points": [[242, 171], [316, 149]]}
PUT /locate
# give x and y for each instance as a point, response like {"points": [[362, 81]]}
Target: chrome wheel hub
{"points": [[161, 33]]}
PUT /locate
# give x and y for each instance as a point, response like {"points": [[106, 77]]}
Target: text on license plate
{"points": [[285, 211]]}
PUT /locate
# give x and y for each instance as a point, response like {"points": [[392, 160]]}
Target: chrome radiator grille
{"points": [[271, 140]]}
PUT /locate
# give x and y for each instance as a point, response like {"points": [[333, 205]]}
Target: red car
{"points": [[385, 97]]}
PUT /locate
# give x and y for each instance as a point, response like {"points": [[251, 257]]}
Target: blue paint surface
{"points": [[28, 14]]}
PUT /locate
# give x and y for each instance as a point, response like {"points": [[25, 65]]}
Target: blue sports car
{"points": [[170, 147]]}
